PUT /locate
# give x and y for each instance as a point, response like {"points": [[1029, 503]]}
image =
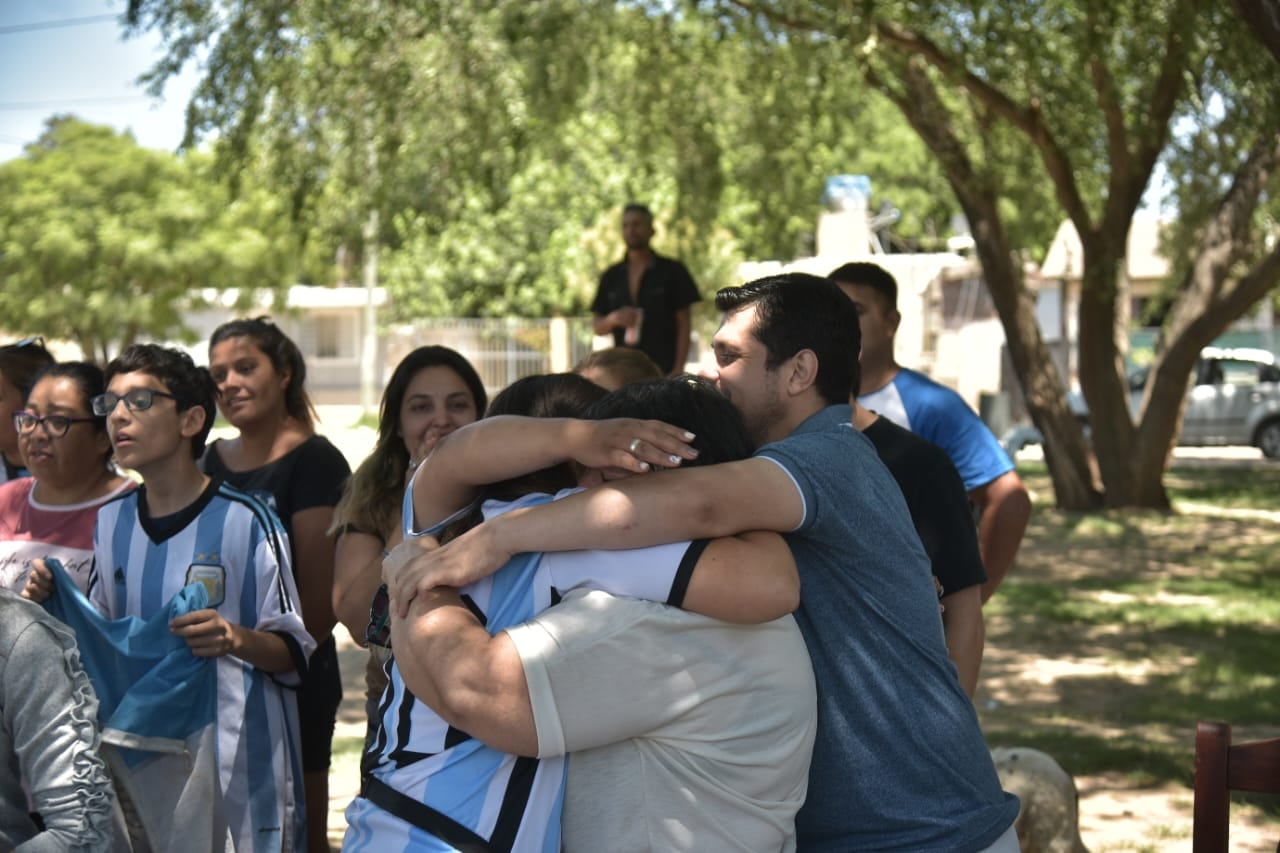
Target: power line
{"points": [[58, 22], [59, 102]]}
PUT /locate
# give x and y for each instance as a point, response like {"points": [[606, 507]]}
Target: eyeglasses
{"points": [[378, 631], [137, 400], [54, 425]]}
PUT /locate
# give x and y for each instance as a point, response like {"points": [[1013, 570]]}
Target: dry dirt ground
{"points": [[1114, 814], [1068, 677]]}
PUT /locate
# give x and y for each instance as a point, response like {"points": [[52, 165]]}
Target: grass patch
{"points": [[1117, 631], [1253, 485]]}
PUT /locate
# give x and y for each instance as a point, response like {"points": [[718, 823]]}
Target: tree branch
{"points": [[1153, 132], [1263, 18], [791, 22], [1104, 87], [1027, 119], [1206, 295]]}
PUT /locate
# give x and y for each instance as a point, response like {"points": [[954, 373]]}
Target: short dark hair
{"points": [[548, 395], [20, 362], [89, 382], [636, 207], [687, 402], [873, 276], [190, 384], [283, 354], [796, 311]]}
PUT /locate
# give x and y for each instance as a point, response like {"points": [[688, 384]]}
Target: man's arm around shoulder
{"points": [[670, 506]]}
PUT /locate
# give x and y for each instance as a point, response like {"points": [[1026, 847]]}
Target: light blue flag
{"points": [[153, 693]]}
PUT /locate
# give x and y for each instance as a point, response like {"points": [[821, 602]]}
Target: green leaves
{"points": [[102, 241]]}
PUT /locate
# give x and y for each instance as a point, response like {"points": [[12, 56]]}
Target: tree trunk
{"points": [[1066, 451]]}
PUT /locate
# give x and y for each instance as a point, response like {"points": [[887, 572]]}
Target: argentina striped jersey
{"points": [[506, 803], [234, 546]]}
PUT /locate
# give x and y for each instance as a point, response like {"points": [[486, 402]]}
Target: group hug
{"points": [[607, 610]]}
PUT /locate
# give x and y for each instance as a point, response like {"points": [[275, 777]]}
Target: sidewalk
{"points": [[348, 734]]}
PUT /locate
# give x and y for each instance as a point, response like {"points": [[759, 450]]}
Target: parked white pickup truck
{"points": [[1234, 399]]}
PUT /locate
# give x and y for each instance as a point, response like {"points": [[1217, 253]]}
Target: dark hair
{"points": [[636, 207], [626, 363], [89, 382], [420, 359], [873, 276], [550, 395], [284, 355], [21, 362], [372, 497], [687, 402], [191, 385], [795, 311]]}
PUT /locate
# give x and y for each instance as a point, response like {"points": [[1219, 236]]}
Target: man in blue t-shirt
{"points": [[899, 761], [937, 414]]}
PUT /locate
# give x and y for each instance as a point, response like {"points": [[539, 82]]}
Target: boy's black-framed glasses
{"points": [[137, 400], [55, 426]]}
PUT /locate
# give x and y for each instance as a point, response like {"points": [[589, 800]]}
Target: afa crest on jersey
{"points": [[213, 577]]}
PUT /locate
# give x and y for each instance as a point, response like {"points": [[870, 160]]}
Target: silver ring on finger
{"points": [[634, 446]]}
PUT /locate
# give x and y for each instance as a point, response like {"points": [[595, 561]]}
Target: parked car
{"points": [[1234, 399]]}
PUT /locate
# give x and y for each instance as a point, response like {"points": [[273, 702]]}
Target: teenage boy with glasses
{"points": [[181, 527]]}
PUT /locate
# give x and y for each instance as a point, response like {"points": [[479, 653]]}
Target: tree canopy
{"points": [[490, 138], [103, 242], [479, 141]]}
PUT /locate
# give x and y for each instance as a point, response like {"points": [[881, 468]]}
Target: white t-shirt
{"points": [[508, 802], [685, 733]]}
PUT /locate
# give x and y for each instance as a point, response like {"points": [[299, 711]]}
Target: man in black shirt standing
{"points": [[644, 299]]}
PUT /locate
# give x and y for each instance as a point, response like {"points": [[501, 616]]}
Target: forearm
{"points": [[603, 324], [53, 712], [473, 681], [603, 517], [488, 451], [495, 449], [313, 554], [747, 579], [262, 649], [965, 632], [357, 574], [1005, 513]]}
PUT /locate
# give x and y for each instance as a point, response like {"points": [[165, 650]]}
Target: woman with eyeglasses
{"points": [[278, 456], [19, 364], [433, 391], [66, 448]]}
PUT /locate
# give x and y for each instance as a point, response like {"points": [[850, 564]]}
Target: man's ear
{"points": [[191, 421], [802, 372], [893, 319]]}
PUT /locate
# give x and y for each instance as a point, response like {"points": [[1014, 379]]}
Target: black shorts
{"points": [[318, 701]]}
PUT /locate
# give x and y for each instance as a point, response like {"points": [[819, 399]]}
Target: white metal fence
{"points": [[501, 349]]}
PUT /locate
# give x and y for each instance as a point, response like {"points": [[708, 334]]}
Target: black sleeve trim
{"points": [[475, 609], [680, 585], [295, 653]]}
